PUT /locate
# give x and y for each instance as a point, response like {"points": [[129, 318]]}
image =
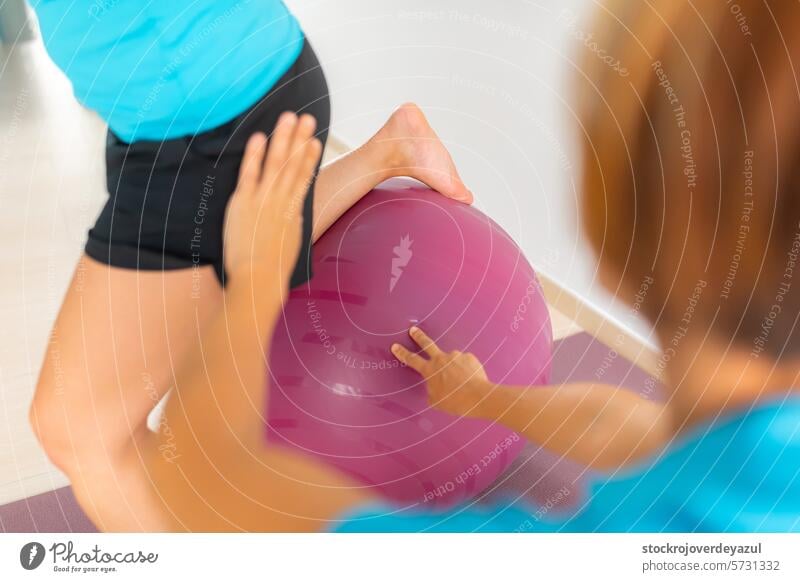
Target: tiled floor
{"points": [[51, 188]]}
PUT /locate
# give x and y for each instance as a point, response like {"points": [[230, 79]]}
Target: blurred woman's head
{"points": [[691, 166]]}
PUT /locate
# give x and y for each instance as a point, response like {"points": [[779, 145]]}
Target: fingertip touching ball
{"points": [[402, 256]]}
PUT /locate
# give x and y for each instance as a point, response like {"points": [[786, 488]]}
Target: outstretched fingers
{"points": [[425, 342], [279, 149], [297, 152], [252, 163], [416, 361], [308, 164], [410, 359]]}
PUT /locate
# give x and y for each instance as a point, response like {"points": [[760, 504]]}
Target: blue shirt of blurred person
{"points": [[739, 473]]}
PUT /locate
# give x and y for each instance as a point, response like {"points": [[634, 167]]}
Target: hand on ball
{"points": [[456, 381]]}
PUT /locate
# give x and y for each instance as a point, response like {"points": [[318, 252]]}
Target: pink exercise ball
{"points": [[405, 255]]}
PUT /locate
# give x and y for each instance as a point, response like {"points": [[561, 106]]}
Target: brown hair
{"points": [[691, 162]]}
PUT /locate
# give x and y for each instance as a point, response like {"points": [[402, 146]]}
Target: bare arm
{"points": [[601, 426], [210, 465]]}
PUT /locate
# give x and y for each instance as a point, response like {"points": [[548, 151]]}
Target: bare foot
{"points": [[416, 151]]}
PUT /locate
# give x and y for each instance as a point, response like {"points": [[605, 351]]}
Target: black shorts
{"points": [[167, 199]]}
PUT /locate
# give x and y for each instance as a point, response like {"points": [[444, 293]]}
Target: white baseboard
{"points": [[603, 328]]}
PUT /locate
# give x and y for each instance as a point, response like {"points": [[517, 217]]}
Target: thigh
{"points": [[117, 340], [114, 348]]}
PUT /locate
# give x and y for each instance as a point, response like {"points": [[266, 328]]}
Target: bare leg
{"points": [[405, 146], [113, 348], [120, 333]]}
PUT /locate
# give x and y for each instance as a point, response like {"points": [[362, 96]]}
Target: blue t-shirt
{"points": [[160, 69], [740, 473]]}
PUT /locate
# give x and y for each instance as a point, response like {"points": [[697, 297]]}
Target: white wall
{"points": [[491, 75]]}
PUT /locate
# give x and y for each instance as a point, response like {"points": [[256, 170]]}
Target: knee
{"points": [[47, 418]]}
